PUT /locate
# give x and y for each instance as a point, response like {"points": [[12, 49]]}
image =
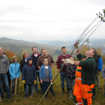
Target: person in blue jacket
{"points": [[46, 77], [100, 64], [14, 71], [29, 77], [100, 67]]}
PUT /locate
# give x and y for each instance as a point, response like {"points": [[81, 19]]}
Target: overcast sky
{"points": [[48, 19]]}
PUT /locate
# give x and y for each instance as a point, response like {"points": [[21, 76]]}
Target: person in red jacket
{"points": [[61, 68]]}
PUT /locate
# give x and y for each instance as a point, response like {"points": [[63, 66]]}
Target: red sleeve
{"points": [[58, 62], [69, 56]]}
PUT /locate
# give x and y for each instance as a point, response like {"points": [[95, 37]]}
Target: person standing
{"points": [[103, 74], [44, 54], [4, 66], [29, 78], [61, 68], [14, 71], [88, 77], [46, 77], [99, 68], [35, 55], [24, 60]]}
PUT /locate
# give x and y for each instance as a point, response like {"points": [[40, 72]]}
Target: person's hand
{"points": [[78, 52], [39, 67], [51, 82], [23, 81], [41, 81], [58, 70], [52, 64], [34, 82], [76, 62]]}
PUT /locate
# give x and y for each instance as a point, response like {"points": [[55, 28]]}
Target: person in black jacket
{"points": [[29, 77], [35, 56], [24, 60]]}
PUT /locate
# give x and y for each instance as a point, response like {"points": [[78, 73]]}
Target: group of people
{"points": [[80, 74], [35, 68]]}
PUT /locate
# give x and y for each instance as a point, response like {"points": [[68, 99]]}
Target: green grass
{"points": [[59, 99]]}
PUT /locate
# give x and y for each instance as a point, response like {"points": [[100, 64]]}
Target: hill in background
{"points": [[53, 47], [18, 46]]}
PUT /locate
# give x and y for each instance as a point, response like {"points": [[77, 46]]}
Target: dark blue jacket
{"points": [[103, 73], [23, 63], [29, 74]]}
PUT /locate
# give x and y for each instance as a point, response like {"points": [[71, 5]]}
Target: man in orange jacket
{"points": [[77, 92], [88, 77]]}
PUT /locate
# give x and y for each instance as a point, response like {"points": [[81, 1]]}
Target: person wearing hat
{"points": [[29, 77], [14, 71]]}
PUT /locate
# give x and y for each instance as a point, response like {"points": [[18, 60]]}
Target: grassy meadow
{"points": [[59, 99]]}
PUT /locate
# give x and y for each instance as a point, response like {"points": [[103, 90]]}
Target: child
{"points": [[14, 71], [46, 77], [29, 77]]}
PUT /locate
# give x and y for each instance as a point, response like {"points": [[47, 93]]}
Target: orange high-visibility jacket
{"points": [[78, 73]]}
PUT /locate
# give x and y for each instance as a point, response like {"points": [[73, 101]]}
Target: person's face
{"points": [[45, 61], [44, 52], [26, 55], [64, 50], [1, 51], [87, 53], [30, 62], [91, 52], [83, 59], [34, 50], [15, 60]]}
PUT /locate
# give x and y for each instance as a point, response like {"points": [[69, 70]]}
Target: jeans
{"points": [[4, 82], [69, 82], [37, 79], [45, 86], [15, 86], [0, 93], [29, 90]]}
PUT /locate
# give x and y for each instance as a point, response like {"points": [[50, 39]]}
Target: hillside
{"points": [[18, 46], [53, 47], [96, 43]]}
